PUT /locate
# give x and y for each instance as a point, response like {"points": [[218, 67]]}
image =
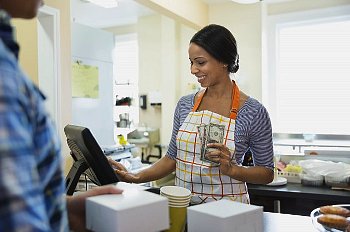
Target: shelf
{"points": [[124, 84], [315, 143]]}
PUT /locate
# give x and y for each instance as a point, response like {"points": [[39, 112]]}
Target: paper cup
{"points": [[178, 200], [178, 205], [177, 219], [175, 191], [175, 197]]}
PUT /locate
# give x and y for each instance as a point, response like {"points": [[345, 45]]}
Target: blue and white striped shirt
{"points": [[253, 131]]}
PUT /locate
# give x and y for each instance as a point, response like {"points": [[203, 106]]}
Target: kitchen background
{"points": [[140, 49]]}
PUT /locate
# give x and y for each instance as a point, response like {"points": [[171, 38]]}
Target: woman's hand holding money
{"points": [[222, 155], [123, 173]]}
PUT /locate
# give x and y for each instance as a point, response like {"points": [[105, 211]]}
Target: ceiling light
{"points": [[104, 3], [246, 1]]}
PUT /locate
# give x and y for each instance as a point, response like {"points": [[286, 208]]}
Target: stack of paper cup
{"points": [[178, 198]]}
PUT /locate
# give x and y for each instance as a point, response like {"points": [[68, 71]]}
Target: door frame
{"points": [[54, 15]]}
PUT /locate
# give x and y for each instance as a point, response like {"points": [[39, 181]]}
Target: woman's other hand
{"points": [[122, 173], [222, 155]]}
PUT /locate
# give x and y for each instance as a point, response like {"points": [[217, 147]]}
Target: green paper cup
{"points": [[177, 219], [178, 200]]}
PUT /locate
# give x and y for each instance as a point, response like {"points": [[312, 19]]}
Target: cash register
{"points": [[91, 160]]}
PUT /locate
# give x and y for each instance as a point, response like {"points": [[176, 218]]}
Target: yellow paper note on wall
{"points": [[84, 81]]}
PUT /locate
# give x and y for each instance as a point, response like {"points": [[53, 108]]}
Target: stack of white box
{"points": [[225, 215], [133, 210]]}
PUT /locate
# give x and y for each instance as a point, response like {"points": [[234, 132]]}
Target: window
{"points": [[126, 76], [309, 72]]}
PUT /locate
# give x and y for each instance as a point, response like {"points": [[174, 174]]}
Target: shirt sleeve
{"points": [[21, 200], [172, 150], [183, 108], [261, 144]]}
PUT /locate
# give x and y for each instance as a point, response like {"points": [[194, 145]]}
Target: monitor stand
{"points": [[74, 174]]}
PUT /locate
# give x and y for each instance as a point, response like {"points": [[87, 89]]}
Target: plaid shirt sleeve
{"points": [[31, 180]]}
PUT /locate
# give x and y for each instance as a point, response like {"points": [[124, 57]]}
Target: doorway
{"points": [[49, 60]]}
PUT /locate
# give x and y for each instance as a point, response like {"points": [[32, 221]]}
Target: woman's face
{"points": [[25, 9], [206, 68]]}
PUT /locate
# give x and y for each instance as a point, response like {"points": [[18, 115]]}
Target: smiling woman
{"points": [[213, 128]]}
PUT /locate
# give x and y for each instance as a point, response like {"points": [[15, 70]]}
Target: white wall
{"points": [[244, 21], [150, 65], [302, 5], [187, 80], [164, 66], [94, 47], [169, 75]]}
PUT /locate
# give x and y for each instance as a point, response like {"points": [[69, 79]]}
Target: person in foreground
{"points": [[213, 56], [32, 196]]}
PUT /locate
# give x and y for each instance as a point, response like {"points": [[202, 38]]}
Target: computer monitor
{"points": [[88, 158]]}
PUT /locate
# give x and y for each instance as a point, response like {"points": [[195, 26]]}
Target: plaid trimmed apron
{"points": [[204, 179]]}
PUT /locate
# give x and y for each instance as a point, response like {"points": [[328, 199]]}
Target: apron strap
{"points": [[199, 100], [235, 101]]}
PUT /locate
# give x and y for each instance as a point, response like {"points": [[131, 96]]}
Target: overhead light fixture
{"points": [[104, 3], [247, 1]]}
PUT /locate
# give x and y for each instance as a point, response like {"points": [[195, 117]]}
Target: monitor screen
{"points": [[88, 158]]}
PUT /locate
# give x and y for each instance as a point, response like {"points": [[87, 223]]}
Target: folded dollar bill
{"points": [[210, 133]]}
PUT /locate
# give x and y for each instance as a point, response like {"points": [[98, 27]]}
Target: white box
{"points": [[225, 215], [133, 210]]}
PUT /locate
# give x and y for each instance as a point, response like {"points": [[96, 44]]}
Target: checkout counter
{"points": [[124, 209]]}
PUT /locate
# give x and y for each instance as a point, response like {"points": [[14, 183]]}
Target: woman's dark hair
{"points": [[219, 42]]}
